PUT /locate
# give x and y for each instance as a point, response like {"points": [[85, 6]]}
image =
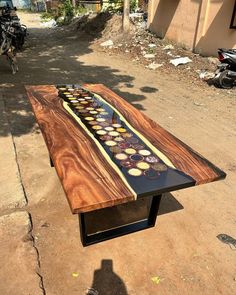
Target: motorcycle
{"points": [[6, 44], [12, 35], [225, 75], [20, 30]]}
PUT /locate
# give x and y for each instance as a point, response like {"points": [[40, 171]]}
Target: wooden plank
{"points": [[89, 182], [183, 157]]}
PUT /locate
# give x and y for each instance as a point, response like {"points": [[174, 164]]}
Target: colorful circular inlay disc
{"points": [[110, 143], [96, 127], [100, 110], [143, 165], [136, 157], [81, 99], [89, 109], [100, 120], [159, 167], [105, 137], [62, 89], [101, 132], [124, 145], [127, 163], [104, 113], [121, 130], [89, 118], [116, 125], [144, 152], [104, 124], [132, 140], [109, 128], [130, 151], [152, 159], [93, 112], [113, 133], [138, 146], [92, 122], [79, 107], [116, 149], [84, 102], [119, 139], [127, 135], [121, 156], [134, 172]]}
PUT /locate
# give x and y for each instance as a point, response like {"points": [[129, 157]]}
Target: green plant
{"points": [[133, 5], [45, 16], [117, 5], [80, 9], [65, 10]]}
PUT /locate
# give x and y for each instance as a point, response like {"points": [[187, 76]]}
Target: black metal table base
{"points": [[89, 239]]}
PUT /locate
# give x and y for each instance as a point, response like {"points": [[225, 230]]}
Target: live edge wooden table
{"points": [[108, 153]]}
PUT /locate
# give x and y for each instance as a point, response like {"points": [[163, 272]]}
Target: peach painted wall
{"points": [[200, 25], [215, 31]]}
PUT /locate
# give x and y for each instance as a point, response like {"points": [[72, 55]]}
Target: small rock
{"points": [[213, 60], [152, 45], [149, 55], [180, 61], [204, 75], [198, 104], [154, 66], [168, 47], [45, 224], [107, 43]]}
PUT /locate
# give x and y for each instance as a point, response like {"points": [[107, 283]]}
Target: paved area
{"points": [[182, 254], [12, 194], [19, 272]]}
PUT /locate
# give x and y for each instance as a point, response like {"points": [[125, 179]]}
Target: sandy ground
{"points": [[182, 250]]}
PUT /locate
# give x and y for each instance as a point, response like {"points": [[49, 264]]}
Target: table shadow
{"points": [[169, 204]]}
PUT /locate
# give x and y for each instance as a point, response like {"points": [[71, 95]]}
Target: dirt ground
{"points": [[182, 250]]}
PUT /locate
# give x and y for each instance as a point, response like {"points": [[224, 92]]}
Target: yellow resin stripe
{"points": [[100, 147], [152, 147]]}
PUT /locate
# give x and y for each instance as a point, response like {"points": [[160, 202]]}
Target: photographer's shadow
{"points": [[105, 281]]}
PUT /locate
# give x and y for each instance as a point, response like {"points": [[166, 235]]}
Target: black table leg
{"points": [[88, 239]]}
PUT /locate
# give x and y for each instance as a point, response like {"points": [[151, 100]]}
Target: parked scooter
{"points": [[6, 44], [20, 31], [12, 34], [225, 75]]}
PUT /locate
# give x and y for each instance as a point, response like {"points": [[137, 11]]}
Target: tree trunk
{"points": [[74, 3], [126, 11]]}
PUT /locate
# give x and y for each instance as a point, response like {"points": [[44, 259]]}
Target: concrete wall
{"points": [[22, 4], [200, 25]]}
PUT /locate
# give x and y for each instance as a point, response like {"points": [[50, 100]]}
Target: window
{"points": [[233, 20]]}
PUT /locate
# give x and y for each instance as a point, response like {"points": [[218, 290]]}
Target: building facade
{"points": [[200, 25]]}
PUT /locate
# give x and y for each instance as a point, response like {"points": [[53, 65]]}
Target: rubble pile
{"points": [[143, 46]]}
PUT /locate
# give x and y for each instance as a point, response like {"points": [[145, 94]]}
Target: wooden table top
{"points": [[106, 152]]}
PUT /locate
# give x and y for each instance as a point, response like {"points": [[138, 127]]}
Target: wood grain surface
{"points": [[88, 179], [182, 156], [89, 182]]}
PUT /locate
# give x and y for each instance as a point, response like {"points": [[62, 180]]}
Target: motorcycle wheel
{"points": [[224, 81]]}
